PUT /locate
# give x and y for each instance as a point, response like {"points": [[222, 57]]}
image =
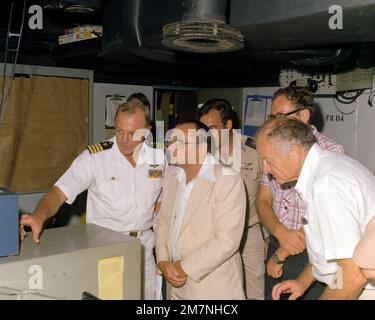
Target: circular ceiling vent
{"points": [[78, 8], [202, 36]]}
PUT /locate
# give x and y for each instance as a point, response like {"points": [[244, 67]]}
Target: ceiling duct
{"points": [[203, 29], [78, 9], [74, 6]]}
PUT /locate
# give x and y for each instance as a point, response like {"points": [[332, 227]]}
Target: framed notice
{"points": [[256, 109], [112, 102]]}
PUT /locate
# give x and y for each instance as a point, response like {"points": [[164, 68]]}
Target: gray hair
{"points": [[284, 132], [132, 106]]}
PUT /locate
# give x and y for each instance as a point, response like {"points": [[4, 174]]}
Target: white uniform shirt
{"points": [[340, 197], [183, 195], [120, 197]]}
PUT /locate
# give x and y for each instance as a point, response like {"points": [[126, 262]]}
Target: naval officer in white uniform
{"points": [[123, 177]]}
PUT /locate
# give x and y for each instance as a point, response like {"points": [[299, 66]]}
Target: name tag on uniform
{"points": [[155, 171], [246, 166]]}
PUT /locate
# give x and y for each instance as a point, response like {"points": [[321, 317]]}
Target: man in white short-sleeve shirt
{"points": [[340, 197], [123, 177]]}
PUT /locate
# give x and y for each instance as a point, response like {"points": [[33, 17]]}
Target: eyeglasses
{"points": [[283, 115], [179, 142]]}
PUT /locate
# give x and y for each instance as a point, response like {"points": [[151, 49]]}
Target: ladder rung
{"points": [[14, 34]]}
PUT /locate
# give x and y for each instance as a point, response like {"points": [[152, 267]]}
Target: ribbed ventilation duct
{"points": [[73, 6], [203, 29]]}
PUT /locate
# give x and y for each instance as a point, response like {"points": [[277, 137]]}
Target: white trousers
{"points": [[151, 281], [252, 252]]}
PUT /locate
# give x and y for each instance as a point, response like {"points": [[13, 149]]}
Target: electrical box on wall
{"points": [[73, 260], [322, 84], [328, 84], [356, 79]]}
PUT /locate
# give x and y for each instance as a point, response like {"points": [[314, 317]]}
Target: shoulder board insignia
{"points": [[98, 147], [250, 142]]}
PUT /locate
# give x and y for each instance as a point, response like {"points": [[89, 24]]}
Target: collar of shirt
{"points": [[314, 130], [225, 155], [309, 165], [243, 142], [206, 171]]}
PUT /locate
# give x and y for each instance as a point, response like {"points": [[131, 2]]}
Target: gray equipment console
{"points": [[65, 264]]}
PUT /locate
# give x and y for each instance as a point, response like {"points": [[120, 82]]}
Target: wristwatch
{"points": [[275, 258]]}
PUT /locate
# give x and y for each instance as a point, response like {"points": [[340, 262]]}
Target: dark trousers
{"points": [[293, 266]]}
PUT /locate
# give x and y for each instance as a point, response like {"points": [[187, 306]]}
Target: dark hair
{"points": [[300, 97], [200, 126], [225, 109], [141, 97]]}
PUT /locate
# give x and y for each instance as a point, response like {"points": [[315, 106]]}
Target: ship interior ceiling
{"points": [[276, 34]]}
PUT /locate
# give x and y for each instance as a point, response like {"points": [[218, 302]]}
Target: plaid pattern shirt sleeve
{"points": [[327, 143], [265, 180]]}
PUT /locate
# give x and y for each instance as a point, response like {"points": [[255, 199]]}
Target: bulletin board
{"points": [[45, 128], [112, 102], [257, 107]]}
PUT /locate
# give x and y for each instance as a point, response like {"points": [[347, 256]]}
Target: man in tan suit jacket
{"points": [[199, 227], [239, 151]]}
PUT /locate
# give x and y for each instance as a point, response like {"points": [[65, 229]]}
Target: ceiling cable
{"points": [[4, 100], [5, 62], [345, 99], [371, 96]]}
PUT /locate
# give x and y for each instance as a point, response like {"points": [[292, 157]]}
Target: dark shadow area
{"points": [[66, 211], [317, 118]]}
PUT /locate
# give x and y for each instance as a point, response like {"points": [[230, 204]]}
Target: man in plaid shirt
{"points": [[279, 207]]}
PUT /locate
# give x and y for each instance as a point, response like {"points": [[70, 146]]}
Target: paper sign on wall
{"points": [[256, 111], [111, 104], [111, 278]]}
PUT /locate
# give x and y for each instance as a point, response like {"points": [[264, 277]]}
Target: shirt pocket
{"points": [[112, 191], [151, 189]]}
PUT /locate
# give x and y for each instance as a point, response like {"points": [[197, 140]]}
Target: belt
{"points": [[135, 234]]}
